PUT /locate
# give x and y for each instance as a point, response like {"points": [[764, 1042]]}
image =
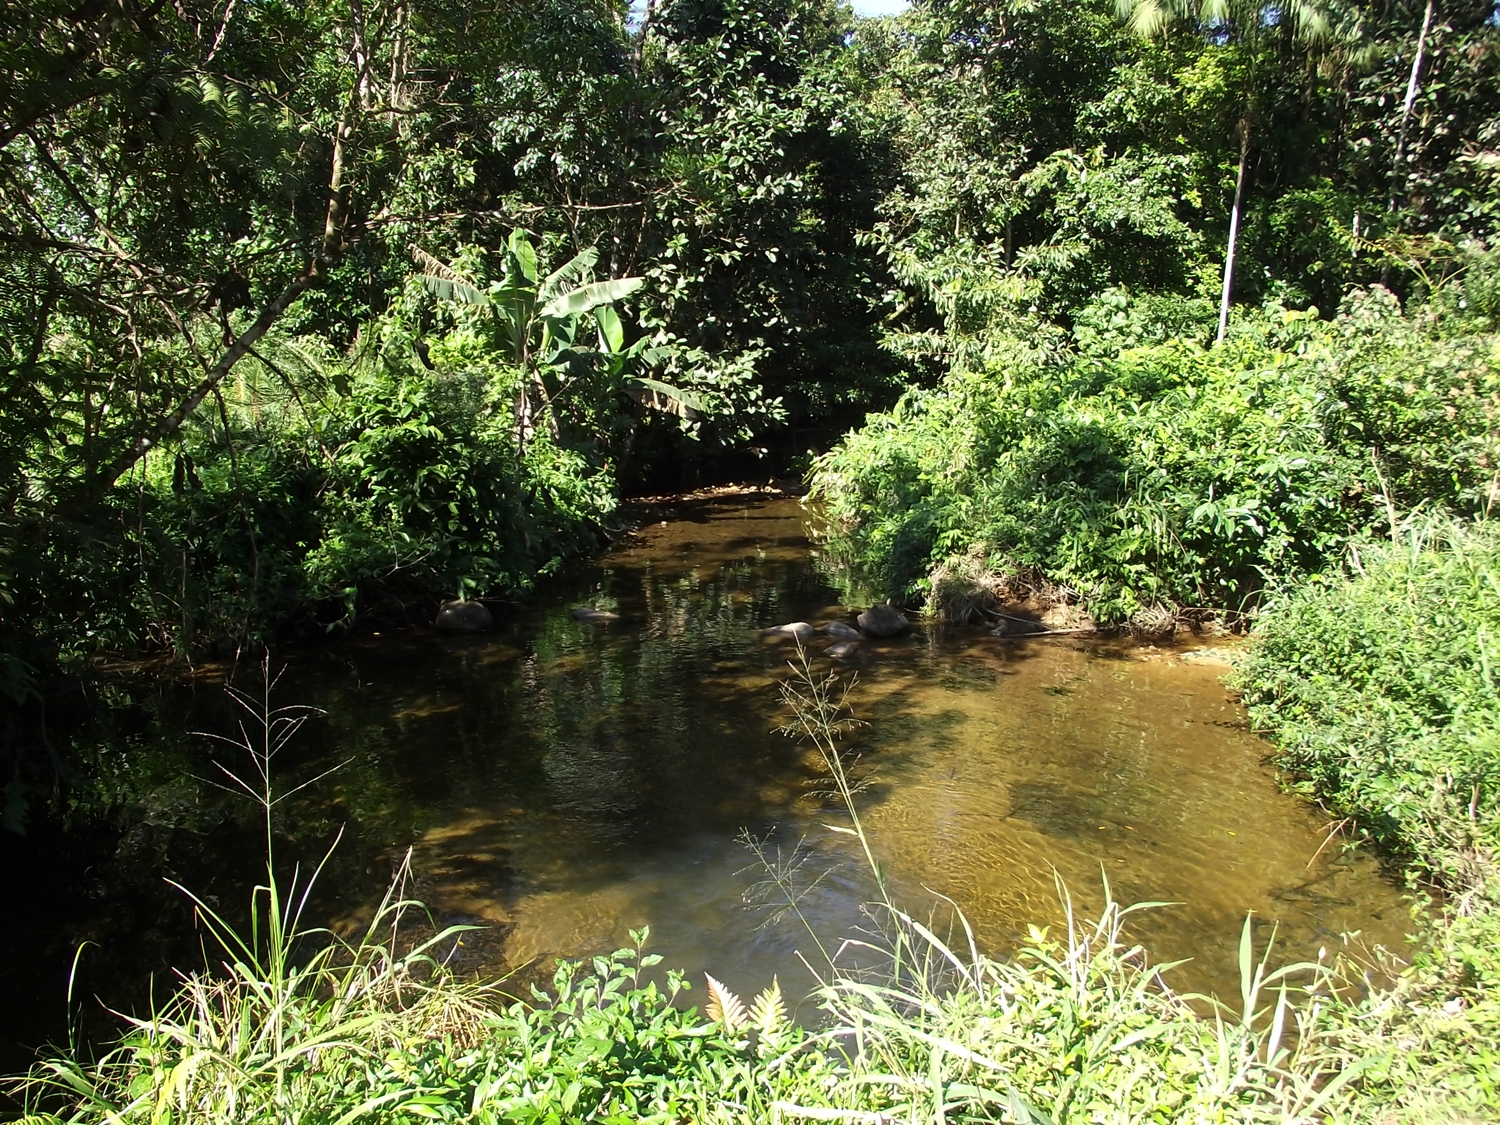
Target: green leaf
{"points": [[575, 270], [611, 330], [664, 397], [588, 297], [447, 289], [522, 256]]}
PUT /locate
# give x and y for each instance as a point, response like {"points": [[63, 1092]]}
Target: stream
{"points": [[560, 783]]}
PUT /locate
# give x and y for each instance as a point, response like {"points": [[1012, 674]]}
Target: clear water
{"points": [[561, 783]]}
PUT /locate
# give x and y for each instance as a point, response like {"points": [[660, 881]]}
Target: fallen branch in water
{"points": [[1043, 632]]}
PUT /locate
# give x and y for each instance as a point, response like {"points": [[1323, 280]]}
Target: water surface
{"points": [[562, 783]]}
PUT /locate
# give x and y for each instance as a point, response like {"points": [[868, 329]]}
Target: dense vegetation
{"points": [[1162, 478], [1376, 681], [281, 326], [317, 311]]}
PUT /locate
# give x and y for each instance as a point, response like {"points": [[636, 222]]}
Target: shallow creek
{"points": [[563, 782], [560, 783]]}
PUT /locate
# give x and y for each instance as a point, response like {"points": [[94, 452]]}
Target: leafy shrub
{"points": [[1171, 474], [1379, 686], [391, 475]]}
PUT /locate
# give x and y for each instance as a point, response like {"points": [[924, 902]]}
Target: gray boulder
{"points": [[842, 631], [843, 650], [797, 631], [594, 616], [883, 621], [464, 617]]}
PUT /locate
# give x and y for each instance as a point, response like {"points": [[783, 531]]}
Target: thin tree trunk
{"points": [[641, 33], [1399, 178], [1234, 230], [100, 482]]}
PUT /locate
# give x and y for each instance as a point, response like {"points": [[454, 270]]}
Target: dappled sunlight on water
{"points": [[566, 782]]}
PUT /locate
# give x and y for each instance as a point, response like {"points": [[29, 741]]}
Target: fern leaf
{"points": [[768, 1012], [724, 1006]]}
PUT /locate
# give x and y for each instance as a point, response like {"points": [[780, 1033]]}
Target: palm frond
{"points": [[663, 397], [569, 274], [436, 267], [586, 298], [460, 291]]}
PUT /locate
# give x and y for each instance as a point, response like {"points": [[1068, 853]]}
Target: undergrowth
{"points": [[1075, 1026], [1377, 683], [1169, 475]]}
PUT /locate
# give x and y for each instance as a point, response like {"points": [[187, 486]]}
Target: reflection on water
{"points": [[564, 782]]}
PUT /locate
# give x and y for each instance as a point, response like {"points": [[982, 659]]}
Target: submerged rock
{"points": [[841, 630], [843, 650], [883, 621], [594, 616], [464, 617], [797, 630]]}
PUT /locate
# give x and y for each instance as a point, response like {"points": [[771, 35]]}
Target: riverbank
{"points": [[1377, 688], [1167, 483], [1262, 483]]}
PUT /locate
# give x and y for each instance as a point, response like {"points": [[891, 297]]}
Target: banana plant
{"points": [[561, 332]]}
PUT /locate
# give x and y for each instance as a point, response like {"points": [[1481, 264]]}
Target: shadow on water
{"points": [[561, 782]]}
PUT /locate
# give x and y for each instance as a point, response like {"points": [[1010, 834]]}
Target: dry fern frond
{"points": [[724, 1006]]}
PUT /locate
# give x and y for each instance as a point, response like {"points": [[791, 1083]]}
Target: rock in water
{"points": [[843, 650], [594, 616], [883, 621], [797, 630], [842, 631], [464, 617]]}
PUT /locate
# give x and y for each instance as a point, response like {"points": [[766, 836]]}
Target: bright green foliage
{"points": [[378, 473], [1169, 474], [1073, 1027], [1377, 686], [1045, 155], [1380, 689], [563, 334]]}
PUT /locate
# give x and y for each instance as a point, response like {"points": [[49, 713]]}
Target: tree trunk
{"points": [[331, 249], [99, 483], [1413, 85], [640, 36], [1234, 230]]}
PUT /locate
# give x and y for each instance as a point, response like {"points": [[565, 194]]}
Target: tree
{"points": [[1246, 25], [179, 180], [562, 334], [1045, 158]]}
